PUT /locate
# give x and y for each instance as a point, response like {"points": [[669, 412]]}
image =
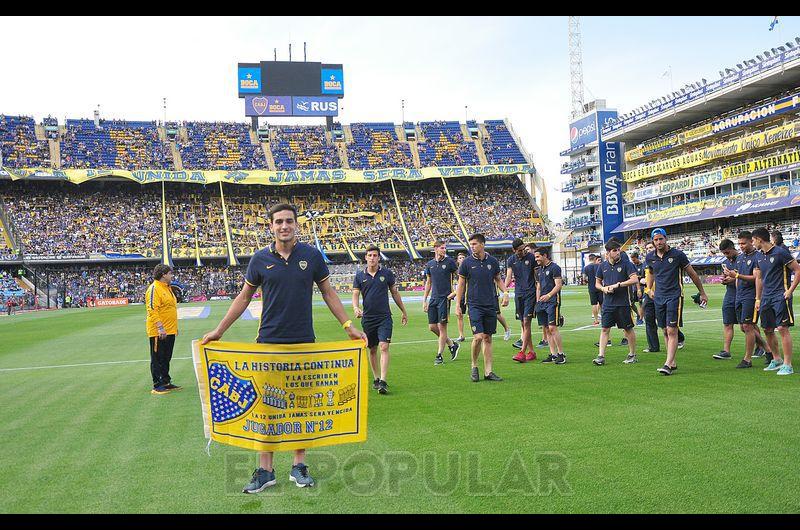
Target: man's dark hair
{"points": [[373, 248], [761, 233], [480, 238], [725, 244], [591, 256], [517, 243], [543, 251], [745, 234], [282, 207], [160, 270], [635, 254], [531, 245], [439, 242], [461, 254], [778, 237], [613, 244]]}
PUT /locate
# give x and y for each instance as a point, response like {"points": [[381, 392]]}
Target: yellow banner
{"points": [[668, 142], [739, 198], [762, 163], [277, 178], [750, 142], [303, 219], [283, 397]]}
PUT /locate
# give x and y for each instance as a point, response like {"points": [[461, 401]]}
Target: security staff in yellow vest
{"points": [[162, 327]]}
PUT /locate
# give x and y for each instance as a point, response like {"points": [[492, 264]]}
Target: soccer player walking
{"points": [[459, 315], [479, 276], [286, 271], [667, 266], [375, 283], [595, 296], [440, 273], [747, 316], [548, 303], [162, 327], [729, 317], [520, 268], [614, 277], [774, 298]]}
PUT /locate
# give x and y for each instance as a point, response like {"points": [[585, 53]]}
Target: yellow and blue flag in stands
{"points": [[283, 397], [773, 23]]}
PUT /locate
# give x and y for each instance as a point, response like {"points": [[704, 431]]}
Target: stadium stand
{"points": [[500, 147], [219, 145], [19, 145], [296, 147], [375, 145], [120, 144], [445, 145]]}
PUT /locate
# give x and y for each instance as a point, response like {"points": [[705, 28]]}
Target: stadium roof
{"points": [[751, 90]]}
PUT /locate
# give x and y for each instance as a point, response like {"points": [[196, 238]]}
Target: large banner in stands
{"points": [[722, 202], [281, 397], [277, 178], [759, 140]]}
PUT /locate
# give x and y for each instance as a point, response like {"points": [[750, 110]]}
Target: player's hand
{"points": [[758, 305], [162, 335], [787, 295], [451, 296], [504, 303], [544, 298], [211, 336], [356, 334], [459, 312], [703, 299], [358, 312], [425, 306], [404, 319]]}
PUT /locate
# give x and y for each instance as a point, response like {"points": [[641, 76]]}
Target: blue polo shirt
{"points": [[524, 274], [480, 275], [590, 271], [775, 272], [611, 274], [547, 281], [287, 287], [441, 274], [746, 264], [375, 291], [667, 272], [730, 289]]}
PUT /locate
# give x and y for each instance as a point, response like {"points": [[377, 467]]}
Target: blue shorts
{"points": [[746, 311], [729, 315], [669, 313], [525, 305], [438, 310], [483, 320], [776, 313], [548, 314], [595, 297], [377, 329], [621, 317]]}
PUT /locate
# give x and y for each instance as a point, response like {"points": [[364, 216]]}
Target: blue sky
{"points": [[514, 67]]}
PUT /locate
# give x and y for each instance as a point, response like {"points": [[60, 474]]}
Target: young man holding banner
{"points": [[286, 271]]}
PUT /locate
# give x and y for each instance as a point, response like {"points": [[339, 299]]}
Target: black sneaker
{"points": [[475, 376], [550, 359], [722, 355], [173, 387], [561, 359], [744, 364], [491, 376], [382, 387], [376, 384], [767, 357], [437, 361], [517, 345], [666, 370], [623, 342], [262, 479], [454, 351], [759, 352], [597, 344], [542, 344]]}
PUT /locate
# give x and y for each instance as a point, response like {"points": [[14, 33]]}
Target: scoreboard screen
{"points": [[290, 78]]}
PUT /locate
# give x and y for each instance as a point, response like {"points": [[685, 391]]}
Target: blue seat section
{"points": [[500, 147], [19, 144], [375, 146], [220, 145], [445, 145], [119, 144], [299, 147]]}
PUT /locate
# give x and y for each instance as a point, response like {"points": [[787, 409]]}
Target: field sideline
{"points": [[83, 434]]}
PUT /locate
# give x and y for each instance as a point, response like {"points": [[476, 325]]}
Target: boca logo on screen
{"points": [[249, 80], [332, 81]]}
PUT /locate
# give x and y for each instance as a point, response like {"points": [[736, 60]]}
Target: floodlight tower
{"points": [[575, 66]]}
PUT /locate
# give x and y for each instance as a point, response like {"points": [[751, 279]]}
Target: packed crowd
{"points": [[500, 147], [220, 145], [114, 144], [375, 145], [297, 147], [19, 145], [445, 145]]}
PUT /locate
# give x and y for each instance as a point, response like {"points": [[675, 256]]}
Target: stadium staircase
{"points": [[341, 148], [55, 153], [400, 132], [39, 132], [401, 137], [176, 156], [265, 146], [481, 153], [348, 134], [162, 133]]}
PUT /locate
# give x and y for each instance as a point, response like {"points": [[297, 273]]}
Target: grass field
{"points": [[82, 433]]}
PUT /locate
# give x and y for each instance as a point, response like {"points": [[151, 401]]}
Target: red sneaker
{"points": [[520, 357], [531, 356]]}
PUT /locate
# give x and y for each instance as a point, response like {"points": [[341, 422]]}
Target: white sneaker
{"points": [[507, 334]]}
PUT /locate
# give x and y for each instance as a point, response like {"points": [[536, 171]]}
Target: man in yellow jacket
{"points": [[162, 327]]}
